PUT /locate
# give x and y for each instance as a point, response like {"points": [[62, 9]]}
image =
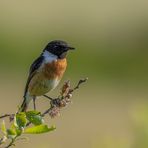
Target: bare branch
{"points": [[10, 116], [80, 82]]}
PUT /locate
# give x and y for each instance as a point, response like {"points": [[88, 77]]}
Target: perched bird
{"points": [[46, 71]]}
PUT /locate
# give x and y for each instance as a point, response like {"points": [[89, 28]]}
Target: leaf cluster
{"points": [[19, 126]]}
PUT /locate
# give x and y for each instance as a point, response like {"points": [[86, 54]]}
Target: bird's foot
{"points": [[56, 102]]}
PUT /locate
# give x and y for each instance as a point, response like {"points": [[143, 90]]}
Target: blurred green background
{"points": [[111, 37]]}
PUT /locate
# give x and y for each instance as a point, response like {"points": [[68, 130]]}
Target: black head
{"points": [[59, 48]]}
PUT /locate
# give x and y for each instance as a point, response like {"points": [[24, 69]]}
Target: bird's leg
{"points": [[51, 99], [34, 104]]}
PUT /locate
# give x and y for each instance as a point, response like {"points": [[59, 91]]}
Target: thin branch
{"points": [[11, 143], [67, 96], [79, 83], [10, 116], [4, 116], [70, 91], [55, 104]]}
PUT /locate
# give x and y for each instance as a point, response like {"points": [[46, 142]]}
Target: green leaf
{"points": [[17, 129], [34, 117], [39, 129], [11, 133], [21, 120], [3, 127], [36, 120], [32, 113]]}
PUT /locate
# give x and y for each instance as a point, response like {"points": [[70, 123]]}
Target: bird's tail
{"points": [[25, 103]]}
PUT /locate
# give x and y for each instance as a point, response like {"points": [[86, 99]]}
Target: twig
{"points": [[4, 116], [68, 95], [79, 83], [11, 116], [11, 143], [56, 105]]}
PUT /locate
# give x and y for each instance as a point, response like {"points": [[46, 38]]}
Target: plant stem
{"points": [[11, 143]]}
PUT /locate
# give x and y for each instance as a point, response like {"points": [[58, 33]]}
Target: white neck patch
{"points": [[49, 57]]}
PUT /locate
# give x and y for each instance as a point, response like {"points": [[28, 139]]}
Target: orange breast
{"points": [[55, 69]]}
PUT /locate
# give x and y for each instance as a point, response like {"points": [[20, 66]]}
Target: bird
{"points": [[46, 72]]}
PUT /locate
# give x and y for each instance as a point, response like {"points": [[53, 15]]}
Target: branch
{"points": [[63, 100], [10, 116], [11, 143], [54, 110]]}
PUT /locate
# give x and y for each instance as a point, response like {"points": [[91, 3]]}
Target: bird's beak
{"points": [[71, 48]]}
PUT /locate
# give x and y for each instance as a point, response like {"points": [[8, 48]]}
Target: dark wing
{"points": [[33, 69]]}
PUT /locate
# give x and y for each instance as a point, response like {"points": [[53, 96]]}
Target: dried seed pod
{"points": [[55, 111], [69, 95], [65, 89], [63, 103]]}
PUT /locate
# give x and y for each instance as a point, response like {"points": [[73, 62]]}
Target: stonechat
{"points": [[46, 71]]}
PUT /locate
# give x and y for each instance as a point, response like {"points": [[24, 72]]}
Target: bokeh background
{"points": [[111, 37]]}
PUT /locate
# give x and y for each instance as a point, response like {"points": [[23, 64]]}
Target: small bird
{"points": [[46, 71]]}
